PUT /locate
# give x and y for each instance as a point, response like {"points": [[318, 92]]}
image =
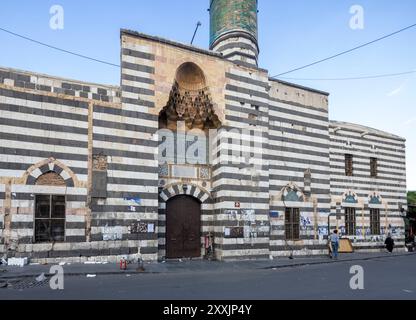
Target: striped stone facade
{"points": [[386, 192], [275, 149], [299, 160]]}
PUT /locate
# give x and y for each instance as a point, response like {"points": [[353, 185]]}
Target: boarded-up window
{"points": [[373, 167], [350, 224], [50, 218], [375, 221], [349, 171], [99, 176], [292, 223]]}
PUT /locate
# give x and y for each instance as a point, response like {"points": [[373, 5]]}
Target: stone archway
{"points": [[200, 202], [51, 166]]}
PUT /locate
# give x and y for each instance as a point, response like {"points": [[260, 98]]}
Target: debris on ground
{"points": [[91, 275], [95, 262], [62, 263], [41, 278], [17, 262]]}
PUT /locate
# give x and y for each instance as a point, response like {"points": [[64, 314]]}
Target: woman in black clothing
{"points": [[389, 243]]}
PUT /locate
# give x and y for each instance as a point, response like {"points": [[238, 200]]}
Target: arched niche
{"points": [[189, 101]]}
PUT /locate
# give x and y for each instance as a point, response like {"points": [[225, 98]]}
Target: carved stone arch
{"points": [[350, 197], [189, 101], [51, 165], [291, 192], [192, 190]]}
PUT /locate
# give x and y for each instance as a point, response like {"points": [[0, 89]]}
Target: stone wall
{"points": [[386, 192]]}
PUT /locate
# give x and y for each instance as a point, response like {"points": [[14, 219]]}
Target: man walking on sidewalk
{"points": [[334, 240]]}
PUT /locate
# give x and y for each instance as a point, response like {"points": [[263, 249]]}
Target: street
{"points": [[384, 278]]}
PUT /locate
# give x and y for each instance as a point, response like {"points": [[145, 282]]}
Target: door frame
{"points": [[199, 219]]}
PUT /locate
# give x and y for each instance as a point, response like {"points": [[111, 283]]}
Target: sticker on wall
{"points": [[323, 231], [227, 232], [249, 215], [274, 214], [134, 201], [237, 232], [232, 214], [305, 221], [143, 227]]}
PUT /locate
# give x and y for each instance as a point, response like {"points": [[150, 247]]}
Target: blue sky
{"points": [[291, 34]]}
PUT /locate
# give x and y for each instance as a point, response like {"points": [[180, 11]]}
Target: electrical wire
{"points": [[346, 51], [352, 78], [282, 78], [59, 49]]}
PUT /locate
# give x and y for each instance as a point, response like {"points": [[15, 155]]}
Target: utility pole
{"points": [[196, 29]]}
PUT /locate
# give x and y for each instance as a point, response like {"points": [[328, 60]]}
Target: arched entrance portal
{"points": [[183, 227]]}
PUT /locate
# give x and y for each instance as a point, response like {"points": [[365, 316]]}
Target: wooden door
{"points": [[183, 228]]}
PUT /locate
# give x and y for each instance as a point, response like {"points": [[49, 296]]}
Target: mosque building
{"points": [[197, 154]]}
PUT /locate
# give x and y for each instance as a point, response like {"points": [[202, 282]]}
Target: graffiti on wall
{"points": [[141, 227], [245, 224], [305, 222], [112, 233]]}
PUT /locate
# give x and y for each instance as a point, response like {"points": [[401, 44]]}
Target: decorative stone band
{"points": [[51, 165], [185, 189]]}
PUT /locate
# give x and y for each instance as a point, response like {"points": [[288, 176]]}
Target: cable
{"points": [[347, 51], [59, 49], [351, 78], [283, 78]]}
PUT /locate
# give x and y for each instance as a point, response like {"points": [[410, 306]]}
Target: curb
{"points": [[75, 274], [131, 273], [330, 261]]}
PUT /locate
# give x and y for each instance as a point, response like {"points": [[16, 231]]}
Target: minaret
{"points": [[234, 30]]}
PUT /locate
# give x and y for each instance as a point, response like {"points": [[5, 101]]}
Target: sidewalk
{"points": [[177, 266]]}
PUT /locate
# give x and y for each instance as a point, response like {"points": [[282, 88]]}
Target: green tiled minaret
{"points": [[233, 29]]}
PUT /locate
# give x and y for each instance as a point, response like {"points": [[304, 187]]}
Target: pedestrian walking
{"points": [[389, 243], [334, 242]]}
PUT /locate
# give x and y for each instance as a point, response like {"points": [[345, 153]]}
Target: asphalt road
{"points": [[384, 278]]}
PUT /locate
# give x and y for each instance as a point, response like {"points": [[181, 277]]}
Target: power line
{"points": [[352, 78], [347, 51], [283, 78], [59, 49]]}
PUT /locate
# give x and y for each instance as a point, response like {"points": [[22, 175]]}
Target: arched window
{"points": [[50, 211]]}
